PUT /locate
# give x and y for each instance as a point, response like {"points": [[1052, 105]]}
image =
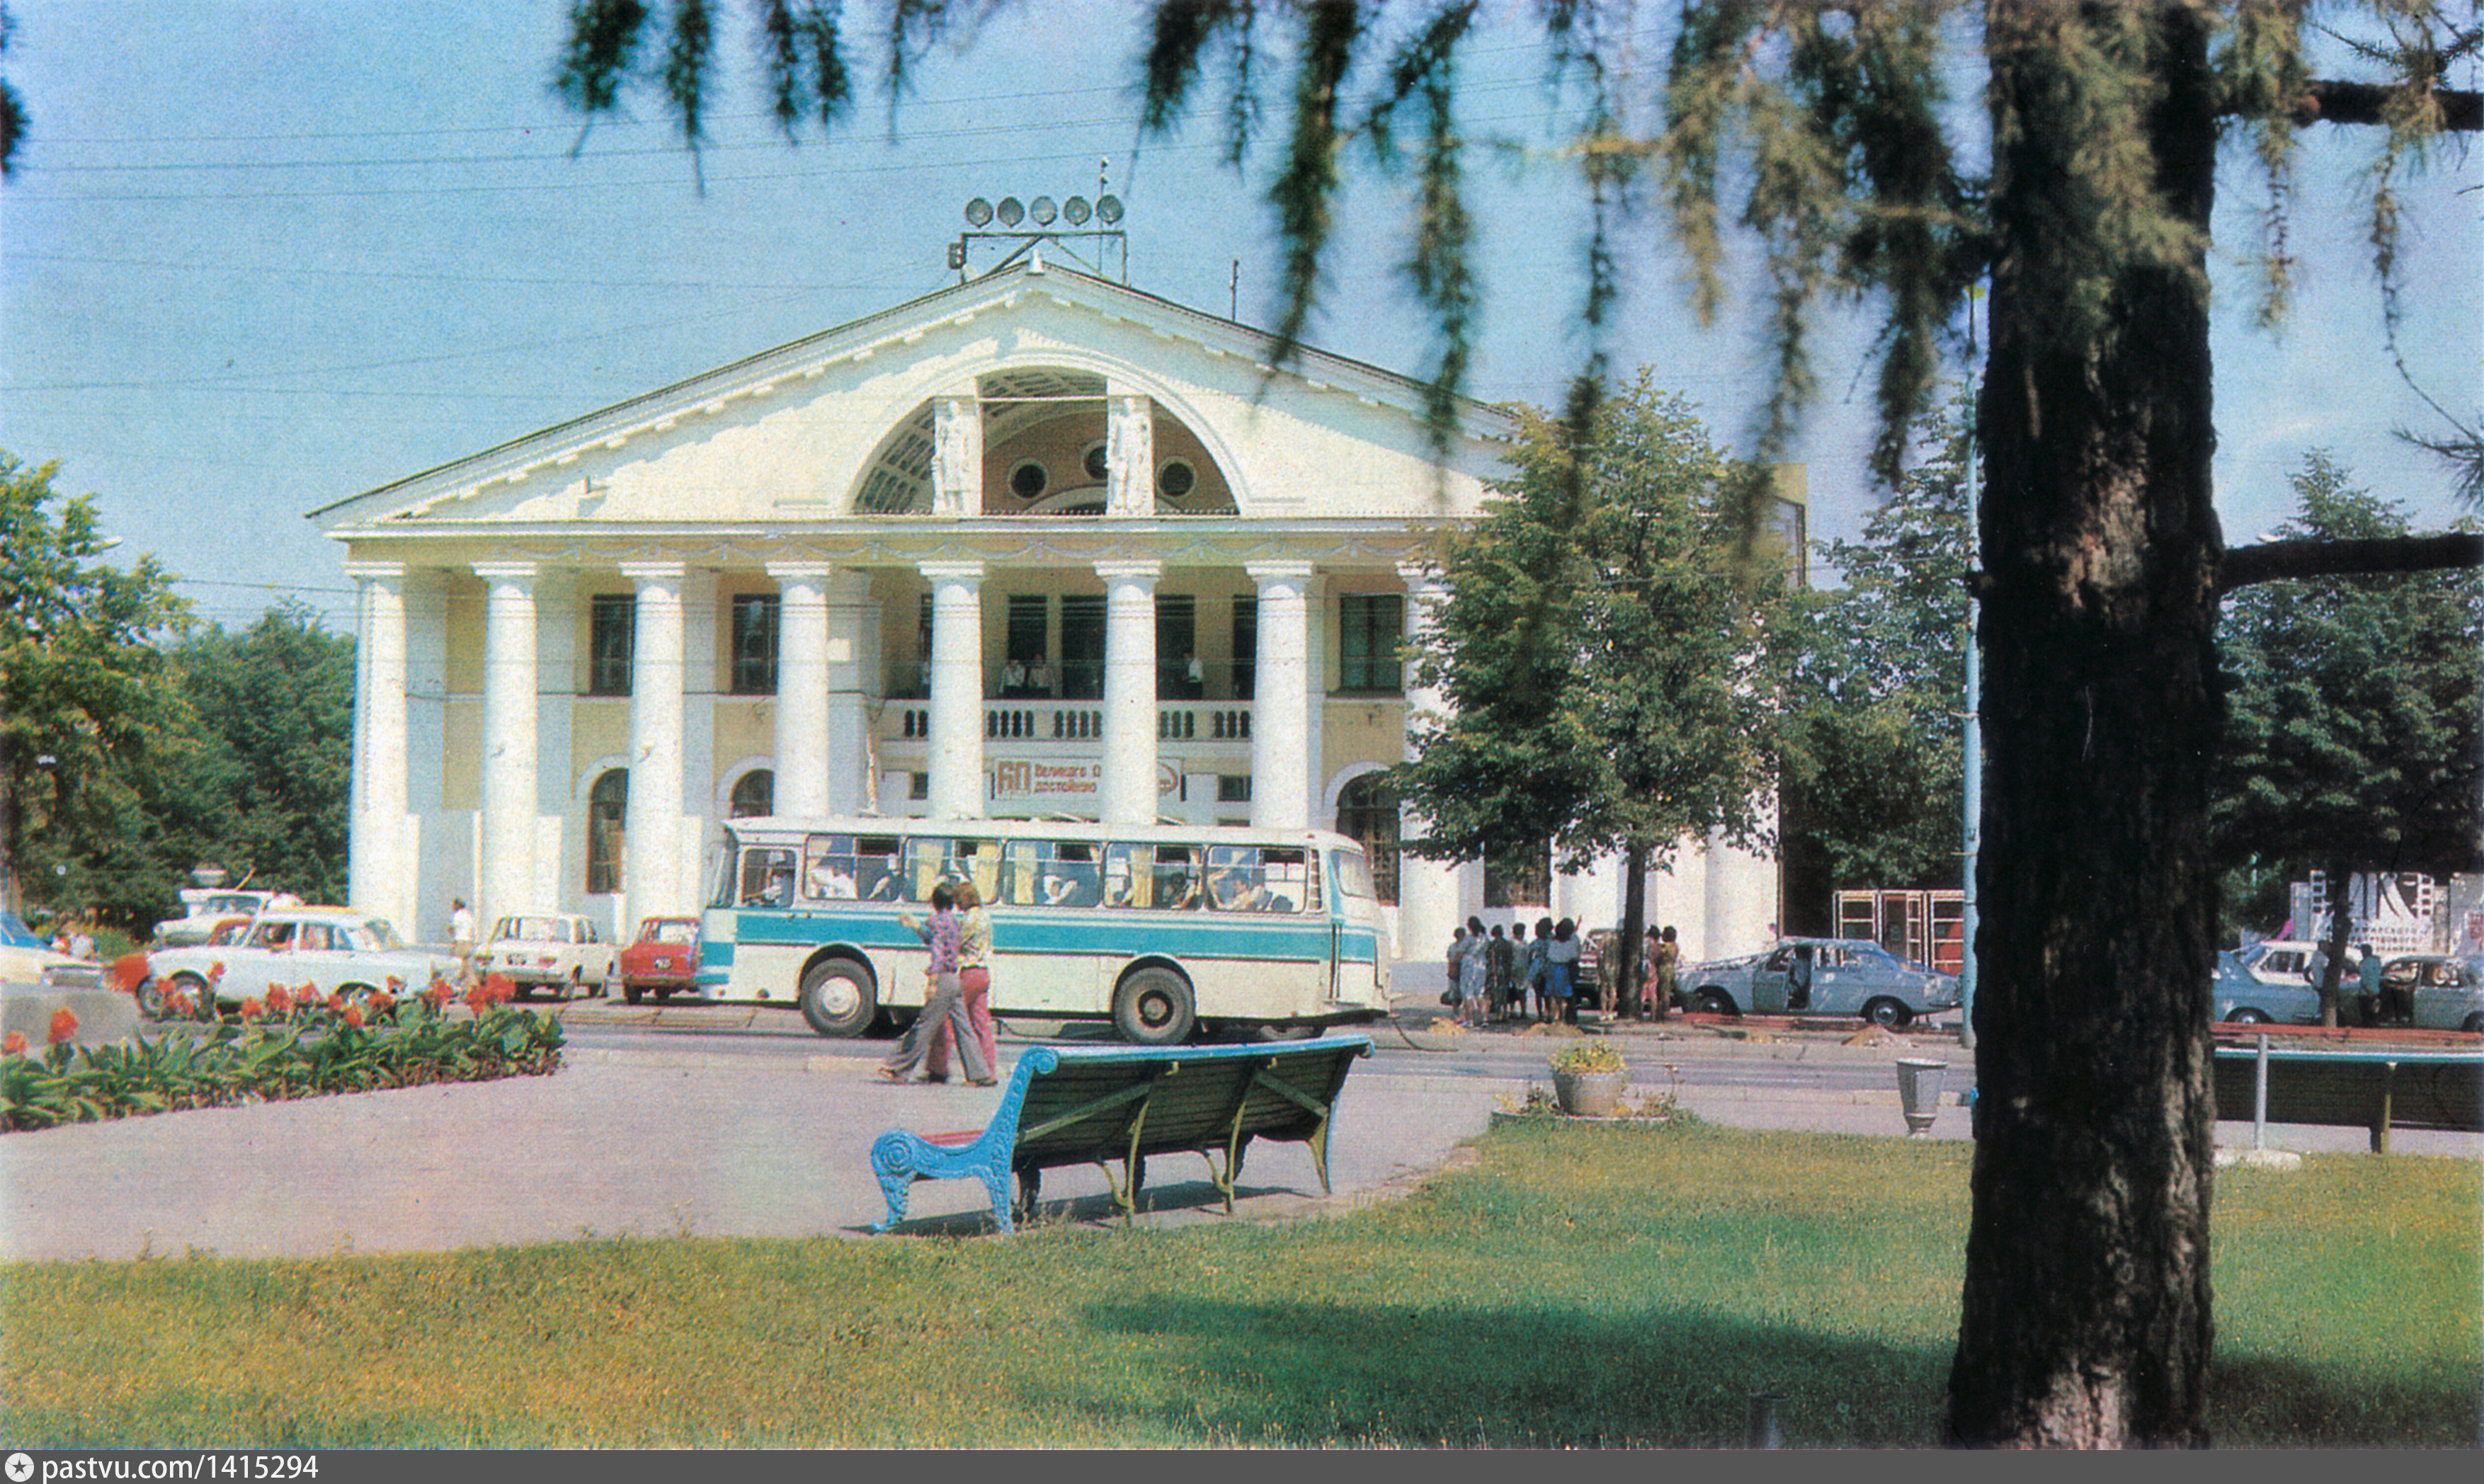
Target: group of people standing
{"points": [[959, 1013], [1498, 977]]}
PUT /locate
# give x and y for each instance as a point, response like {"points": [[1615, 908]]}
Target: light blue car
{"points": [[2241, 997], [1820, 977]]}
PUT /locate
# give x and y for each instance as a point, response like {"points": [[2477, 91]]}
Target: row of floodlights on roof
{"points": [[1043, 211]]}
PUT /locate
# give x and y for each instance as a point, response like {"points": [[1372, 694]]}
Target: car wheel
{"points": [[1712, 1000], [1153, 1007], [151, 1002], [838, 998], [633, 994], [2248, 1016], [2474, 1023], [568, 987], [202, 998], [1888, 1013]]}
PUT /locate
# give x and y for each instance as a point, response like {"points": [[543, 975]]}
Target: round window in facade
{"points": [[1028, 479], [1175, 479], [1096, 461]]}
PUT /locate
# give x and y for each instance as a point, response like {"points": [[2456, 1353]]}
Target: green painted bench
{"points": [[2374, 1089], [1112, 1107]]}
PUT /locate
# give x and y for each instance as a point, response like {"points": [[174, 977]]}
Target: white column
{"points": [[957, 688], [1281, 709], [1129, 456], [1129, 793], [509, 834], [1427, 890], [854, 627], [801, 744], [381, 869], [650, 882], [957, 456]]}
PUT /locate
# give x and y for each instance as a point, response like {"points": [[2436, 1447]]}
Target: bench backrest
{"points": [[1089, 1104], [2419, 1090]]}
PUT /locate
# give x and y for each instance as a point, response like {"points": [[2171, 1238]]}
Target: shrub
{"points": [[283, 1049], [1588, 1056]]}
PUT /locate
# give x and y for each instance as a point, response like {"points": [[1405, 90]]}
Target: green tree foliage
{"points": [[1604, 672], [2351, 715], [83, 702], [1874, 676], [264, 787]]}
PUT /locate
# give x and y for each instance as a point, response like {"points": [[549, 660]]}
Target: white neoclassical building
{"points": [[1037, 544]]}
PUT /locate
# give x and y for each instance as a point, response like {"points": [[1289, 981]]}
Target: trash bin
{"points": [[1919, 1090]]}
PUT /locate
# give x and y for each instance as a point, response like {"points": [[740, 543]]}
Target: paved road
{"points": [[667, 1124]]}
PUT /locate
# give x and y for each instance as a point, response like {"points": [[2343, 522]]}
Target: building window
{"points": [[1179, 675], [1232, 787], [611, 632], [1177, 478], [608, 806], [1369, 629], [1522, 877], [1246, 647], [1026, 671], [1366, 810], [754, 794], [918, 786], [1097, 461], [1082, 646], [1028, 479], [754, 644]]}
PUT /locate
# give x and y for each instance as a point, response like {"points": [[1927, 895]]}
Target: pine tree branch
{"points": [[2313, 559], [2353, 102]]}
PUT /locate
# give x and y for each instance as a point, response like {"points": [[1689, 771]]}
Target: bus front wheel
{"points": [[838, 998], [1153, 1007]]}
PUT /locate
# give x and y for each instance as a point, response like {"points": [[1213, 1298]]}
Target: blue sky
{"points": [[261, 256]]}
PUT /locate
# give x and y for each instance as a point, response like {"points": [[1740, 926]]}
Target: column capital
{"points": [[508, 570], [951, 571], [1270, 574], [1421, 577], [806, 569], [1130, 571], [369, 570], [643, 573]]}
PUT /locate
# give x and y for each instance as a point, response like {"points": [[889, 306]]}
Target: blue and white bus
{"points": [[1166, 931]]}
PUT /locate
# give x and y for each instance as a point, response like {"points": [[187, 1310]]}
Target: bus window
{"points": [[1126, 875], [1073, 880], [767, 876], [876, 868], [930, 861], [1236, 883], [1290, 878], [1174, 878], [829, 868]]}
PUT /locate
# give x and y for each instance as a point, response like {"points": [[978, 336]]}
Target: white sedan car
{"points": [[331, 950], [560, 952]]}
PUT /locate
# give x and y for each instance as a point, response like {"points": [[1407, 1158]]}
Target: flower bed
{"points": [[283, 1046]]}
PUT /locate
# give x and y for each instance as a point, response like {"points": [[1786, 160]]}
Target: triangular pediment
{"points": [[831, 426]]}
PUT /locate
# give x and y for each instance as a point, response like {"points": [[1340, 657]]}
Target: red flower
{"points": [[252, 1010], [354, 1016], [382, 1002], [63, 1025], [499, 988], [215, 971], [335, 998], [439, 992], [279, 1003], [395, 985], [13, 1043]]}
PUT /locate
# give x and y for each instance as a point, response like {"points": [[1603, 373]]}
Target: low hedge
{"points": [[271, 1053]]}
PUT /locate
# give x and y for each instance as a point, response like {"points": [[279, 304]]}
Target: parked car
{"points": [[664, 957], [1820, 977], [206, 908], [2276, 960], [331, 950], [2246, 992], [560, 952], [2442, 993], [26, 958]]}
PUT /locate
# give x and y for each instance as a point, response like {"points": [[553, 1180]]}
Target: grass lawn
{"points": [[1575, 1285]]}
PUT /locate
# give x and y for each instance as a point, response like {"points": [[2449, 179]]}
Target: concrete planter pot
{"points": [[1590, 1094]]}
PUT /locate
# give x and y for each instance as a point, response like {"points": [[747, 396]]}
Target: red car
{"points": [[664, 958]]}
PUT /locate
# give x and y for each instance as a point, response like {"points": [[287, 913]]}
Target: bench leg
{"points": [[997, 1183], [1029, 1183], [894, 1187]]}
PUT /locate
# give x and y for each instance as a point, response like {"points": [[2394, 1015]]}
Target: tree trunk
{"points": [[2341, 922], [1631, 944], [2084, 1316]]}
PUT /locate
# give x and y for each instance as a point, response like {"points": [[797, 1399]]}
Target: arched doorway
{"points": [[754, 794], [607, 808], [1366, 810]]}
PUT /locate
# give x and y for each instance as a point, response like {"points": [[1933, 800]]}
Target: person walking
{"points": [[1561, 970], [944, 1006], [974, 987], [461, 941]]}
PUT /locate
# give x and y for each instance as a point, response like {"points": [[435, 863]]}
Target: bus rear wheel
{"points": [[838, 998], [1153, 1007]]}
